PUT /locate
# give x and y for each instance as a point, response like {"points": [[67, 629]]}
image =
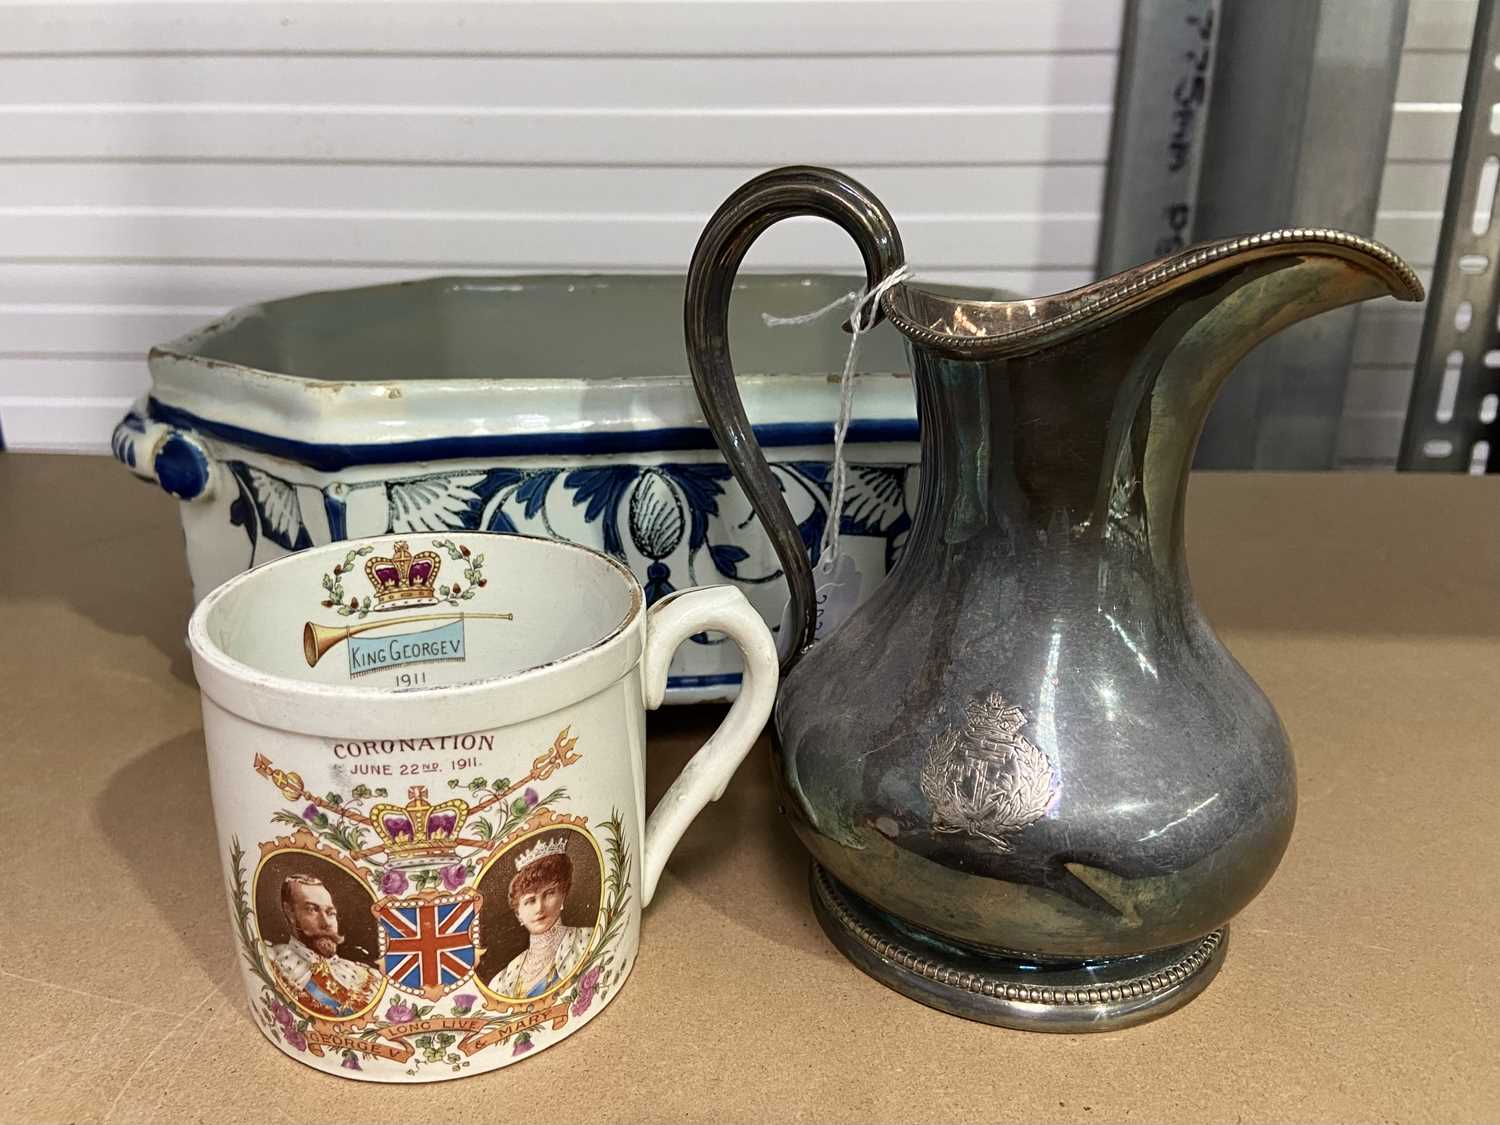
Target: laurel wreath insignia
{"points": [[986, 778]]}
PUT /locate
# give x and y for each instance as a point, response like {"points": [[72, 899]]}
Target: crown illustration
{"points": [[995, 716], [556, 846], [404, 579], [419, 833]]}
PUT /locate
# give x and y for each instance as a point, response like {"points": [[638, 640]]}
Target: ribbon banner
{"points": [[392, 650], [478, 1031], [338, 1041], [557, 1015]]}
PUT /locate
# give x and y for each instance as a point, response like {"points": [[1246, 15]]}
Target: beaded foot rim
{"points": [[1012, 998]]}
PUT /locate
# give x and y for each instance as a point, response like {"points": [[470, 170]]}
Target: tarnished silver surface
{"points": [[1028, 744]]}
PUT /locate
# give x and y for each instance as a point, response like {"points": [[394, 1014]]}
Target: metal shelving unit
{"points": [[1451, 417]]}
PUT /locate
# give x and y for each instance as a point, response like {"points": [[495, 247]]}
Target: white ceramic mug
{"points": [[427, 756]]}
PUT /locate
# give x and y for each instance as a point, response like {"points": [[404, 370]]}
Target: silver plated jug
{"points": [[1034, 783]]}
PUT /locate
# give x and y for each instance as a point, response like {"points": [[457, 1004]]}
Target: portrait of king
{"points": [[308, 964], [538, 893]]}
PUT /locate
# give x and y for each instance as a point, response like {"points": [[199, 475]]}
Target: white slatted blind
{"points": [[164, 161], [1429, 93]]}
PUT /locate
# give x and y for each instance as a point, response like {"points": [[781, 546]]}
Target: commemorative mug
{"points": [[427, 758]]}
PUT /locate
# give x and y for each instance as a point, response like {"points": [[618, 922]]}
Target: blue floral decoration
{"points": [[650, 516]]}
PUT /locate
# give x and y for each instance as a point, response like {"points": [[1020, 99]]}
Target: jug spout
{"points": [[1282, 277], [1089, 404]]}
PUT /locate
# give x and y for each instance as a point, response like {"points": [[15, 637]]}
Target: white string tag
{"points": [[837, 590], [836, 579]]}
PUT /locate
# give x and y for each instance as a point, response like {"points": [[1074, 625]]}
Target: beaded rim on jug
{"points": [[979, 328]]}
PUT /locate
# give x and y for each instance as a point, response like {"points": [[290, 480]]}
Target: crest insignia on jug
{"points": [[986, 778]]}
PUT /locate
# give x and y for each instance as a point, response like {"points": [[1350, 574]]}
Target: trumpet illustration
{"points": [[318, 639]]}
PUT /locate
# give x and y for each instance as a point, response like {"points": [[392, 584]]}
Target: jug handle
{"points": [[767, 199]]}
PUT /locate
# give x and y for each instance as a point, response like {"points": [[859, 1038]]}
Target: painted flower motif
{"points": [[393, 882], [454, 876], [282, 1015], [310, 813], [531, 797], [351, 1061], [523, 1044], [400, 1013], [464, 1003], [657, 518], [295, 1039], [586, 986]]}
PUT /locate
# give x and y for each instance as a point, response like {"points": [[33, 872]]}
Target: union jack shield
{"points": [[427, 943]]}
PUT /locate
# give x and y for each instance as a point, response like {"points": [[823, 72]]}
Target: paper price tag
{"points": [[836, 592]]}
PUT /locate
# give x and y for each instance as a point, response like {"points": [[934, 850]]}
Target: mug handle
{"points": [[672, 620]]}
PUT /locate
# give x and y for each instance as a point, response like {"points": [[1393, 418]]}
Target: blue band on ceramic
{"points": [[332, 457]]}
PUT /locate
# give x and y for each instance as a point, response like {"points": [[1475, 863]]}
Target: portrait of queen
{"points": [[537, 896]]}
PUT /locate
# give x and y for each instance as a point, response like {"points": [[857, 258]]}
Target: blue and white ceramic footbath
{"points": [[557, 406]]}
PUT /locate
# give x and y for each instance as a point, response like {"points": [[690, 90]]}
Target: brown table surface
{"points": [[1360, 985]]}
